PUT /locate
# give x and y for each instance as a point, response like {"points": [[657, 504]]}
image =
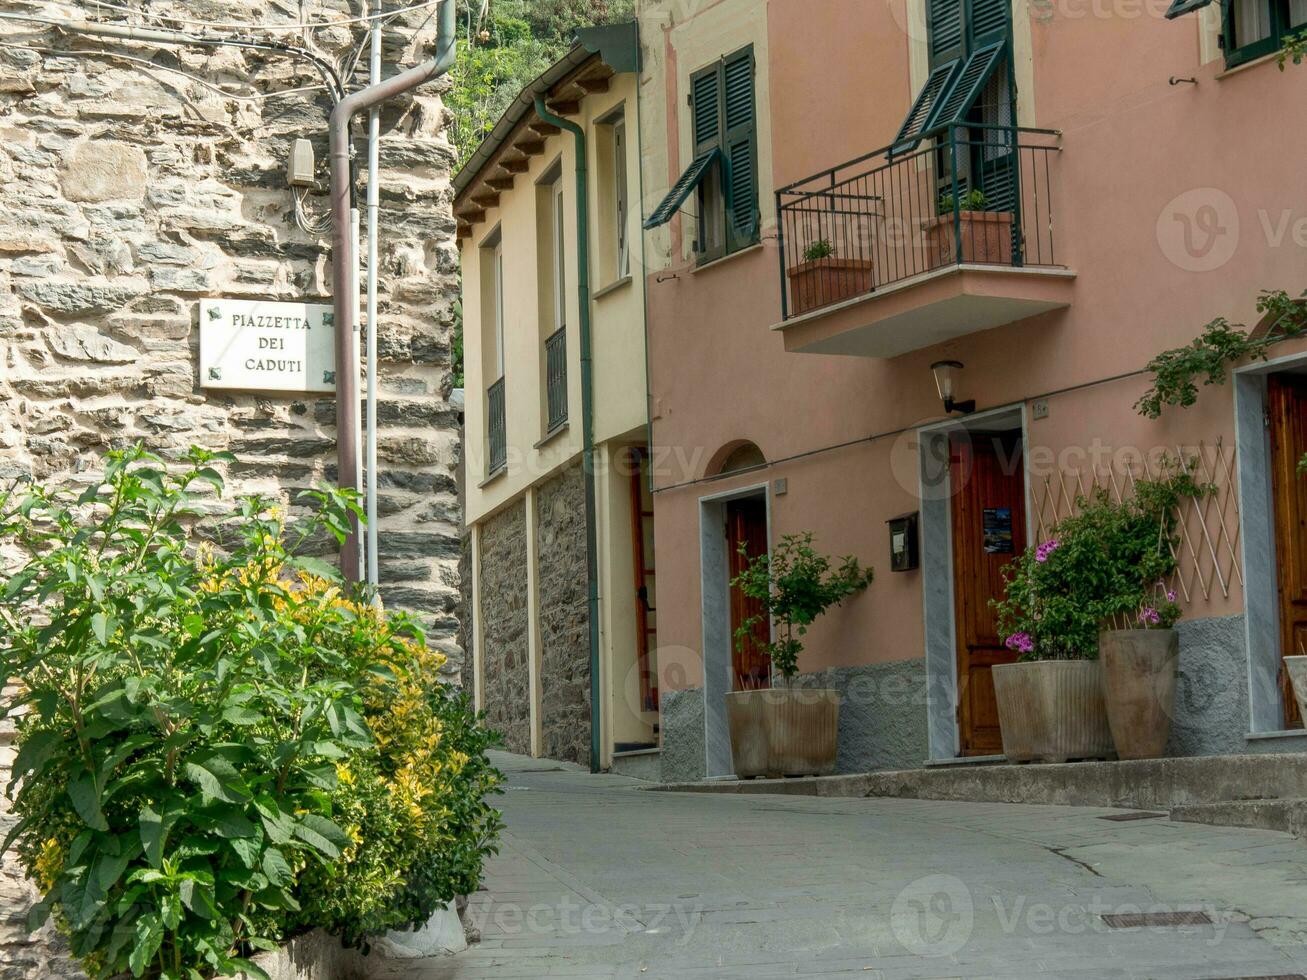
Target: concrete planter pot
{"points": [[1052, 710], [1140, 670], [783, 731], [822, 282], [986, 238], [1297, 668]]}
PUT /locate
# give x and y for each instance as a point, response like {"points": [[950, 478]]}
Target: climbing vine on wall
{"points": [[1178, 372]]}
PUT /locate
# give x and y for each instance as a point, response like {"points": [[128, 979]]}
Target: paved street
{"points": [[600, 879]]}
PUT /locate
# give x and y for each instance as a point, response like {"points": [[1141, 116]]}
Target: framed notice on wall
{"points": [[998, 530], [250, 345]]}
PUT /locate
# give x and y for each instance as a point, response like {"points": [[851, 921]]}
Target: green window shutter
{"points": [[944, 22], [924, 108], [705, 102], [741, 147], [1179, 8], [961, 95], [987, 22], [683, 188]]}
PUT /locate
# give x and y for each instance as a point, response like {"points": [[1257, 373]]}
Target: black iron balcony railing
{"points": [[956, 195], [497, 428], [556, 378]]}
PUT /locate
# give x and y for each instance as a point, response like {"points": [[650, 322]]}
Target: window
{"points": [[1253, 28], [492, 306], [620, 198], [551, 280], [724, 172], [560, 252]]}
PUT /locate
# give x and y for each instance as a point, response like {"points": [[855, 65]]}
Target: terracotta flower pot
{"points": [[1052, 710], [1140, 669], [822, 282], [783, 731], [1297, 668], [986, 238]]}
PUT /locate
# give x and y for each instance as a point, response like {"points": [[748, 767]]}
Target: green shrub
{"points": [[1102, 567], [794, 585], [189, 714]]}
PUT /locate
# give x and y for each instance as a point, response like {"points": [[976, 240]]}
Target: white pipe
{"points": [[374, 199]]}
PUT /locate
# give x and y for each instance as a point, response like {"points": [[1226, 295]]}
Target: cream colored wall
{"points": [[678, 39], [617, 319]]}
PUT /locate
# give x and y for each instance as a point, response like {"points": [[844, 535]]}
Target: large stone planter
{"points": [[783, 731], [1052, 710], [1140, 669], [1297, 668]]}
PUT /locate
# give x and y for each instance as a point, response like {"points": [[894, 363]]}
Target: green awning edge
{"points": [[1179, 8]]}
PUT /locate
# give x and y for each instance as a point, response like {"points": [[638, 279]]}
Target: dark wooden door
{"points": [[989, 531], [646, 602], [1287, 403], [746, 521]]}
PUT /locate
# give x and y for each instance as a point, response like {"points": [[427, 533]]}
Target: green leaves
{"points": [[214, 773], [321, 834]]}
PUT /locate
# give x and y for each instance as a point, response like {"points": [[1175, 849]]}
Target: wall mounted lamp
{"points": [[945, 376]]}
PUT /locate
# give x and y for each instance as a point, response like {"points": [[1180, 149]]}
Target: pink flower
{"points": [[1020, 642], [1170, 595], [1150, 616], [1046, 549]]}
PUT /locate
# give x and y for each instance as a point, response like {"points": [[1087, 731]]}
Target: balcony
{"points": [[946, 234], [556, 380], [497, 429]]}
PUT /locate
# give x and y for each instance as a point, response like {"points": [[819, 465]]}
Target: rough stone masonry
{"points": [[136, 179]]}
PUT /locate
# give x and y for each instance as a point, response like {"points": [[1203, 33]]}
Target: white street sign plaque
{"points": [[249, 345]]}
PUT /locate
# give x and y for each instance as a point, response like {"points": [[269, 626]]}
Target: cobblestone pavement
{"points": [[600, 879]]}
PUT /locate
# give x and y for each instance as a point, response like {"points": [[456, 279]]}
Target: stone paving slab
{"points": [[599, 879]]}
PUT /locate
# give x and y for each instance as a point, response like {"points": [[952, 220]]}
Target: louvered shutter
{"points": [[924, 109], [740, 146], [683, 188], [944, 21], [966, 87], [705, 104], [987, 22]]}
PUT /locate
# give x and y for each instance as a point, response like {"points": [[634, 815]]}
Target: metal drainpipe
{"points": [[345, 286], [587, 415]]}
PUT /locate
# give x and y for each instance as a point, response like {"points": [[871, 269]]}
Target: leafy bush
{"points": [[820, 249], [973, 200], [794, 585], [1101, 567], [191, 718]]}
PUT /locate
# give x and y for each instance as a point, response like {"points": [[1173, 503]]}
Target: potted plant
{"points": [[1141, 665], [986, 235], [823, 278], [787, 730]]}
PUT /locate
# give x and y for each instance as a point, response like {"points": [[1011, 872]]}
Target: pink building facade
{"points": [[841, 195]]}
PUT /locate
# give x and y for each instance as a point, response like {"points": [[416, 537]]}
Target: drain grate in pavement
{"points": [[1133, 815], [1153, 920]]}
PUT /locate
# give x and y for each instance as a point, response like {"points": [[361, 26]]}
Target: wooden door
{"points": [[989, 531], [746, 521], [646, 601], [1287, 403]]}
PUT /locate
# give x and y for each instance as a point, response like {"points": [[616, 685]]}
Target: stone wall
{"points": [[504, 666], [564, 618], [139, 178]]}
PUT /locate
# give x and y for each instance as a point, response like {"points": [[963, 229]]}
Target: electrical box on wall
{"points": [[903, 551], [299, 168]]}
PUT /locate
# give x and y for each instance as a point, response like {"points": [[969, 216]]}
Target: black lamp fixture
{"points": [[945, 372]]}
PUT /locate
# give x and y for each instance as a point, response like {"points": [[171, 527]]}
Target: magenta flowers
{"points": [[1149, 616], [1020, 642], [1046, 549]]}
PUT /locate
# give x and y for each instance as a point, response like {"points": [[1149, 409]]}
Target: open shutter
{"points": [[741, 148], [682, 189], [961, 95], [944, 22], [924, 108], [1179, 8]]}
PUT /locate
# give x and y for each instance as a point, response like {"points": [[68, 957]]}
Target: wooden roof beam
{"points": [[593, 86], [564, 108], [530, 147], [501, 183], [544, 129]]}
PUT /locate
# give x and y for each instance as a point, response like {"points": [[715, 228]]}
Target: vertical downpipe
{"points": [[587, 415], [374, 198]]}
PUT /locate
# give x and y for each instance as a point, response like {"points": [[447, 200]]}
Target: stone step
{"points": [[1287, 816], [1137, 784], [646, 764]]}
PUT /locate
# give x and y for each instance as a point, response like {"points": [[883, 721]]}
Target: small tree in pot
{"points": [[786, 730]]}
